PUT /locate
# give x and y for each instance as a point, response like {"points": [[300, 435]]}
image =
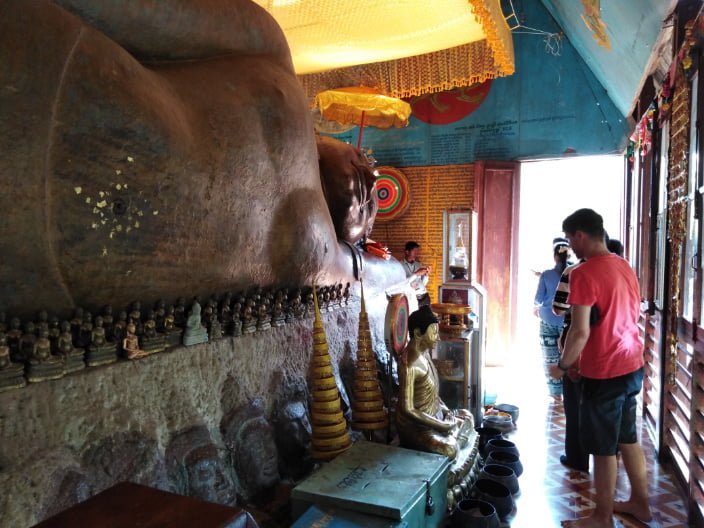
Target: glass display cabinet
{"points": [[452, 354], [459, 245]]}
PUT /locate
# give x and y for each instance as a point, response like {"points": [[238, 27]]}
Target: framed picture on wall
{"points": [[454, 295]]}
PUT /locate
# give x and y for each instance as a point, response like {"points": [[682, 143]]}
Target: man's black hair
{"points": [[585, 220], [421, 319], [615, 246], [411, 245]]}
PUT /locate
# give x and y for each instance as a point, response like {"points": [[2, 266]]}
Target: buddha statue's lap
{"points": [[423, 421]]}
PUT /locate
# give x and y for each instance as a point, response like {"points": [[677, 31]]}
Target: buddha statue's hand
{"points": [[451, 425]]}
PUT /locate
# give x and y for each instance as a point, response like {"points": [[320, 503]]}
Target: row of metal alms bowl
{"points": [[492, 494]]}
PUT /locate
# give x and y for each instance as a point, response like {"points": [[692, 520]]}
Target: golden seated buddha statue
{"points": [[423, 420]]}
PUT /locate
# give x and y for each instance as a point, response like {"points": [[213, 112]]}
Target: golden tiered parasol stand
{"points": [[368, 413], [330, 436], [362, 106]]}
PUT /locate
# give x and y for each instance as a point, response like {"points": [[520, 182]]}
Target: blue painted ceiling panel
{"points": [[631, 27]]}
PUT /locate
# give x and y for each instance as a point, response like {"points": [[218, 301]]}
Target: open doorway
{"points": [[550, 191]]}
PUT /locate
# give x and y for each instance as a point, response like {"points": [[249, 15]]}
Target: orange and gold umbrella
{"points": [[363, 106]]}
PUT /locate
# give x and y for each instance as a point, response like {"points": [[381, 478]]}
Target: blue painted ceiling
{"points": [[631, 27], [580, 65]]}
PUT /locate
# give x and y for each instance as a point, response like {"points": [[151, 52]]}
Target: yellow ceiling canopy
{"points": [[370, 41]]}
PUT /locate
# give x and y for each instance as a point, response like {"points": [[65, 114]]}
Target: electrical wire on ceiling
{"points": [[553, 41]]}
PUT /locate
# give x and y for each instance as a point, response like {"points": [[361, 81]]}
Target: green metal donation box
{"points": [[379, 480]]}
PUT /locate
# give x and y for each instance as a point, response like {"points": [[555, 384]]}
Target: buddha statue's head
{"points": [[197, 469], [423, 326], [249, 437]]}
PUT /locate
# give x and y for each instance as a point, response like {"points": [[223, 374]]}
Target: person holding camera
{"points": [[416, 272]]}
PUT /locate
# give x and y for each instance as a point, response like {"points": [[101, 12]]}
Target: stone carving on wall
{"points": [[293, 431], [249, 437], [197, 469], [53, 481], [126, 456]]}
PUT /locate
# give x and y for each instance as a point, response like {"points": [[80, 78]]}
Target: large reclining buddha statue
{"points": [[157, 150]]}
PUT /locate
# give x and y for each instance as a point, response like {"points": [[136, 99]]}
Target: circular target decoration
{"points": [[396, 324], [393, 193]]}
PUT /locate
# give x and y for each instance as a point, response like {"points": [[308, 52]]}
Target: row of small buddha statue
{"points": [[47, 348]]}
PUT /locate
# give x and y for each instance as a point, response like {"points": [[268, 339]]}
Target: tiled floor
{"points": [[549, 491]]}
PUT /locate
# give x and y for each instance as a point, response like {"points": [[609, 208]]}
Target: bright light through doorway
{"points": [[550, 191]]}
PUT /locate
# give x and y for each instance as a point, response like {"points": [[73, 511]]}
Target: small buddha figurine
{"points": [[338, 295], [100, 350], [130, 343], [86, 332], [326, 298], [214, 329], [309, 304], [11, 373], [160, 314], [225, 313], [135, 317], [151, 341], [97, 333], [334, 303], [119, 329], [207, 315], [213, 304], [278, 316], [297, 309], [195, 332], [108, 321], [28, 340], [249, 322], [76, 323], [42, 346], [173, 333], [14, 335], [322, 304], [54, 333], [73, 357], [263, 314], [237, 307], [42, 321], [346, 294], [423, 421], [180, 313], [41, 364]]}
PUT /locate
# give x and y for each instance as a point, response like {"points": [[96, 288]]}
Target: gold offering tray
{"points": [[452, 317], [451, 309]]}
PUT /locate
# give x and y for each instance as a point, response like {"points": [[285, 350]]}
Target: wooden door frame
{"points": [[509, 228]]}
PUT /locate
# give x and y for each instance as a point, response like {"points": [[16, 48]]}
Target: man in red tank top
{"points": [[609, 355]]}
